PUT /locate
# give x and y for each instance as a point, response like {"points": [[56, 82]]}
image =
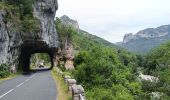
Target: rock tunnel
{"points": [[32, 47], [16, 47]]}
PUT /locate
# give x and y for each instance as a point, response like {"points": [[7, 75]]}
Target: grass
{"points": [[10, 77], [62, 89]]}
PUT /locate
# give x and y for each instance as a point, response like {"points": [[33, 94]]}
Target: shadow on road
{"points": [[32, 71]]}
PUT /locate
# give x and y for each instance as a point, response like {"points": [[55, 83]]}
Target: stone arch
{"points": [[29, 47]]}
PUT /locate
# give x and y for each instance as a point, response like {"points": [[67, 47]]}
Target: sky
{"points": [[111, 19]]}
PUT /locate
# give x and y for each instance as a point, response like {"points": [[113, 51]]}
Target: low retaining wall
{"points": [[77, 91]]}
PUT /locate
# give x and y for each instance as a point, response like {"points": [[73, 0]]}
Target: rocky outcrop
{"points": [[16, 50], [69, 55], [148, 33], [10, 41], [127, 37], [145, 40], [44, 11], [65, 20], [67, 50]]}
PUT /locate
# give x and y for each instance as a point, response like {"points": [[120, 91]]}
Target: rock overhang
{"points": [[18, 54]]}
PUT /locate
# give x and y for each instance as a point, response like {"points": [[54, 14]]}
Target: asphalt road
{"points": [[36, 86]]}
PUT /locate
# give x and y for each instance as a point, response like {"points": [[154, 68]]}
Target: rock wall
{"points": [[69, 55], [12, 43], [44, 11]]}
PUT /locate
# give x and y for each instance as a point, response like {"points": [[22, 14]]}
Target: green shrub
{"points": [[99, 94], [30, 24], [4, 71], [95, 67]]}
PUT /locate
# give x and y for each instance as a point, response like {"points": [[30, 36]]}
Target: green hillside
{"points": [[106, 72], [98, 39], [144, 45], [157, 63]]}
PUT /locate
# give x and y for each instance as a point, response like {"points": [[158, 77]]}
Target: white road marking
{"points": [[20, 84], [27, 80], [6, 93], [16, 86]]}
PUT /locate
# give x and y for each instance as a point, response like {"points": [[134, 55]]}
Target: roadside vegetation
{"points": [[109, 73], [5, 73], [157, 63], [62, 88], [4, 70], [106, 72]]}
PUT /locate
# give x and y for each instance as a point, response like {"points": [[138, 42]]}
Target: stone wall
{"points": [[77, 91]]}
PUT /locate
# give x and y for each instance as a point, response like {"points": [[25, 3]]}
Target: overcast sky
{"points": [[111, 19]]}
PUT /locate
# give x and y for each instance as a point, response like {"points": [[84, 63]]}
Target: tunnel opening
{"points": [[40, 62], [29, 49]]}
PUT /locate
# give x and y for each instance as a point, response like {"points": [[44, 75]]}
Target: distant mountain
{"points": [[145, 40], [69, 22], [83, 35]]}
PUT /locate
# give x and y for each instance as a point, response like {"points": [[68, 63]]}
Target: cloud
{"points": [[111, 19]]}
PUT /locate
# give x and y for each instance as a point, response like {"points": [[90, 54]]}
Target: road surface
{"points": [[36, 86]]}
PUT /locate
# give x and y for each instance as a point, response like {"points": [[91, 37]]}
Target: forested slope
{"points": [[106, 72]]}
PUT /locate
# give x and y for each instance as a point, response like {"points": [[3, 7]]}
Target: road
{"points": [[36, 86]]}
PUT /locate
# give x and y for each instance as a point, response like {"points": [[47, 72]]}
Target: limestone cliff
{"points": [[146, 39], [44, 11], [10, 41], [16, 50], [67, 49], [148, 33], [65, 20], [127, 37]]}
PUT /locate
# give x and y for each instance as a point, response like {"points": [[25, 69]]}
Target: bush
{"points": [[4, 71], [95, 67], [99, 94]]}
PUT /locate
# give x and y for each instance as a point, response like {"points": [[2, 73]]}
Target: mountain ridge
{"points": [[67, 21], [144, 40]]}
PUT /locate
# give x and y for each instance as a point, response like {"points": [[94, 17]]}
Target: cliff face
{"points": [[148, 33], [127, 37], [44, 11], [67, 50], [14, 48], [69, 22], [10, 41], [146, 39]]}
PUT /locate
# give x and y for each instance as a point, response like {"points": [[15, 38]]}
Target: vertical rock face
{"points": [[13, 47], [10, 41], [4, 39], [69, 55], [127, 37], [68, 50], [44, 11]]}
